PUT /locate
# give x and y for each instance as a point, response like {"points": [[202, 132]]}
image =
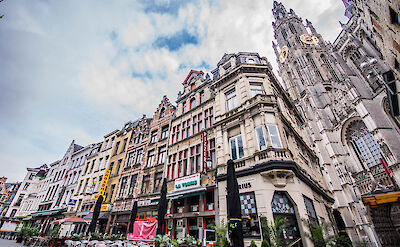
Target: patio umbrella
{"points": [[234, 207], [96, 212], [70, 221], [133, 217], [162, 209]]}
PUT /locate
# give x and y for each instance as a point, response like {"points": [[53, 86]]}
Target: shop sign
{"points": [[245, 183], [71, 202], [187, 182], [146, 203], [104, 207], [205, 150], [103, 184]]}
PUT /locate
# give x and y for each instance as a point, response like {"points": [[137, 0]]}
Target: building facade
{"points": [[190, 169], [258, 127]]}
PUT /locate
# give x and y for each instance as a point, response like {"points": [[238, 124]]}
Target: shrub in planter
{"points": [[253, 244]]}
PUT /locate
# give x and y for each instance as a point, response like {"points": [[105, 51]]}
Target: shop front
{"points": [[192, 209]]}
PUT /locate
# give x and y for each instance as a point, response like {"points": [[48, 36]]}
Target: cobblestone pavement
{"points": [[8, 243]]}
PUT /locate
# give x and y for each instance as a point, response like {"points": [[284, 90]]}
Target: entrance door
{"points": [[283, 207]]}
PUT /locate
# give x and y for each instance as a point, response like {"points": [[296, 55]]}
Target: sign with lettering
{"points": [[245, 183], [205, 150], [103, 184], [104, 208], [187, 182]]}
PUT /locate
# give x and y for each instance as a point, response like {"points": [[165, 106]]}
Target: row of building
{"points": [[321, 144]]}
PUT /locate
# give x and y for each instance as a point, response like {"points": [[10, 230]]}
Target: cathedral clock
{"points": [[283, 54], [309, 39]]}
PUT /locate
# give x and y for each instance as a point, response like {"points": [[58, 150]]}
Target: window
{"points": [[124, 145], [184, 109], [213, 158], [363, 144], [394, 16], [201, 97], [139, 156], [132, 185], [162, 153], [153, 137], [200, 122], [195, 130], [130, 159], [314, 66], [274, 135], [150, 158], [192, 87], [236, 147], [158, 181], [164, 132], [262, 144], [284, 35], [209, 203], [249, 215], [162, 112], [312, 215], [26, 186], [112, 142], [292, 29], [256, 88], [111, 166], [118, 167], [230, 100], [192, 103], [146, 184], [124, 183], [116, 149]]}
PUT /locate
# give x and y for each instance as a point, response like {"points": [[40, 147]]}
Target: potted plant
{"points": [[54, 240], [162, 241]]}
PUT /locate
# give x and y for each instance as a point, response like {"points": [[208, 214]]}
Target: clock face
{"points": [[309, 39], [283, 54]]}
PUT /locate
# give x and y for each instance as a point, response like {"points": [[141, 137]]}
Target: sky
{"points": [[77, 70]]}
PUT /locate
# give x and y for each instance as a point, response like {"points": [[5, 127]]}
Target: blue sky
{"points": [[80, 69]]}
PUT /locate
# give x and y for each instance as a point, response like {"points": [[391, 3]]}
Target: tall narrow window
{"points": [[150, 158], [231, 100], [124, 183], [329, 67], [116, 149], [292, 29], [153, 137], [236, 145], [184, 108], [274, 135], [162, 153], [162, 112], [314, 66], [192, 87], [132, 185], [312, 215], [256, 88], [124, 145], [164, 132], [146, 184], [157, 182], [201, 97], [262, 144], [139, 156], [192, 103], [130, 159]]}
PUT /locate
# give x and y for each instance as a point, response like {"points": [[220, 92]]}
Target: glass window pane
{"points": [[274, 135], [240, 146], [260, 137], [233, 148]]}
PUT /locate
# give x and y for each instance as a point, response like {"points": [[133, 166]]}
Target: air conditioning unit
{"points": [[194, 208]]}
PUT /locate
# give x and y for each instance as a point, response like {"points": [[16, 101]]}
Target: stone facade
{"points": [[257, 125]]}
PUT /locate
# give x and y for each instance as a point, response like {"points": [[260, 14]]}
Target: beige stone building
{"points": [[257, 126]]}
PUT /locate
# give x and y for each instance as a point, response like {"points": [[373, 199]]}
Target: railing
{"points": [[272, 153]]}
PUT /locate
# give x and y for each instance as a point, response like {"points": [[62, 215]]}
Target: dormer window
{"points": [[250, 60], [192, 103], [227, 66], [201, 97], [192, 86], [162, 112]]}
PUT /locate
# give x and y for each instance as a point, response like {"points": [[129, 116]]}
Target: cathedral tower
{"points": [[319, 88]]}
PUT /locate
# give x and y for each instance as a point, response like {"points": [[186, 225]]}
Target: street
{"points": [[8, 243]]}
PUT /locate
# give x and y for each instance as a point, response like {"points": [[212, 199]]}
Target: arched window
{"points": [[284, 35], [363, 143], [192, 103], [292, 29], [282, 207], [329, 67], [314, 66]]}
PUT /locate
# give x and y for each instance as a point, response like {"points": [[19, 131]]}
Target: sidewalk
{"points": [[8, 243]]}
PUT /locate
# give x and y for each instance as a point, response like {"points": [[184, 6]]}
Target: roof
{"points": [[192, 72]]}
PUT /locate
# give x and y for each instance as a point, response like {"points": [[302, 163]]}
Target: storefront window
{"points": [[209, 204], [249, 215], [283, 207], [209, 232], [179, 205], [193, 228]]}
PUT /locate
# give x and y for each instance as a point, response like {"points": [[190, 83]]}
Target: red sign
{"points": [[143, 231], [205, 150]]}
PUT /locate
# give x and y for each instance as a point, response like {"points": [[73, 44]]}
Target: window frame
{"points": [[237, 148], [269, 126], [231, 101]]}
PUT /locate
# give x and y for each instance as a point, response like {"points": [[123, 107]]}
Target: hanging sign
{"points": [[205, 141]]}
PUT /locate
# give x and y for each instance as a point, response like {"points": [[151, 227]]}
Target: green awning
{"points": [[27, 217], [193, 194], [47, 212]]}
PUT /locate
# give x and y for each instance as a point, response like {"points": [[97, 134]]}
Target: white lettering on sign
{"points": [[187, 182]]}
